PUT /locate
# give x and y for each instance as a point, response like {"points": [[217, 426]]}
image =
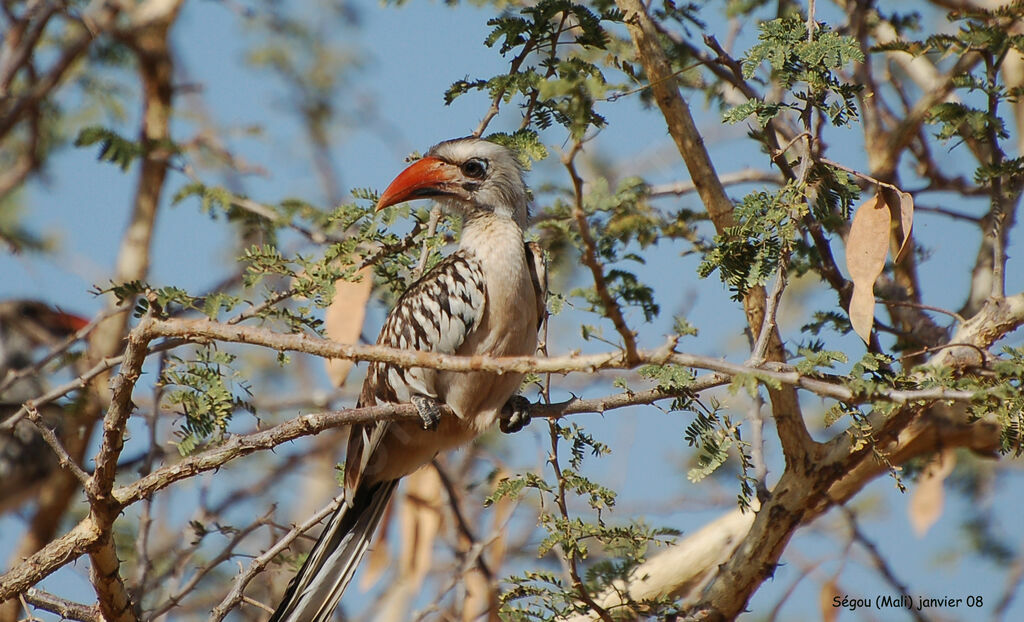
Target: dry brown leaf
{"points": [[343, 320], [925, 506], [866, 248], [829, 590], [481, 601], [501, 512], [906, 223]]}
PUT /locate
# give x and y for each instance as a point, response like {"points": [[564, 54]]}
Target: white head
{"points": [[470, 176]]}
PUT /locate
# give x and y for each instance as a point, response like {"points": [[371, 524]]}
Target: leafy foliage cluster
{"points": [[564, 85], [207, 392], [545, 595], [749, 253]]}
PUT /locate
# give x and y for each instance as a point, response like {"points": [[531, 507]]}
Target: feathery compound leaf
{"points": [[525, 144], [866, 247], [113, 147]]}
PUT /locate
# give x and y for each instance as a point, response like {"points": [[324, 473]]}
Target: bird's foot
{"points": [[429, 410], [515, 415]]}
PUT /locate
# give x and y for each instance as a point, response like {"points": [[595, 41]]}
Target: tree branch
{"points": [[797, 444], [235, 596], [845, 468], [66, 609], [100, 21], [611, 307], [1008, 314]]}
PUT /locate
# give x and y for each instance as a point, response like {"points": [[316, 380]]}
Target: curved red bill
{"points": [[421, 179], [70, 322]]}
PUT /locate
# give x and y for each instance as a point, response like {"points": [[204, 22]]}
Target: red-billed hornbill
{"points": [[486, 298], [25, 459]]}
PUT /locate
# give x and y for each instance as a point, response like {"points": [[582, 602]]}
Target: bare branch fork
{"points": [[797, 444], [236, 595]]}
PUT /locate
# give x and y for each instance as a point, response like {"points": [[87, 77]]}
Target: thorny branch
{"points": [[1005, 314], [1010, 315], [235, 595], [917, 428], [797, 444], [66, 609], [883, 567], [611, 307], [563, 509]]}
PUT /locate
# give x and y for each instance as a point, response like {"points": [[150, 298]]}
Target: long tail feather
{"points": [[315, 590]]}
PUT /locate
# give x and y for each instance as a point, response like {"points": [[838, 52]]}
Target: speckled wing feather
{"points": [[435, 314]]}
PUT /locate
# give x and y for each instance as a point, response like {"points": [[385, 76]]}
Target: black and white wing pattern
{"points": [[435, 314]]}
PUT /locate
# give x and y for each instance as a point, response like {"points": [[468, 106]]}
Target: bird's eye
{"points": [[29, 310], [475, 168]]}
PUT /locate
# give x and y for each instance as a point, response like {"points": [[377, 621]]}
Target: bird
{"points": [[25, 460], [26, 325], [485, 298]]}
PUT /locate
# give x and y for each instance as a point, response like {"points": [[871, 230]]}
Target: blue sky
{"points": [[410, 55]]}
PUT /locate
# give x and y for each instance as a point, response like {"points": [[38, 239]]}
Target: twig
{"points": [[143, 562], [496, 100], [916, 305], [435, 218], [942, 211], [66, 609], [104, 18], [563, 509], [1014, 579], [620, 94], [811, 25], [768, 324], [66, 461], [370, 260], [983, 356], [997, 198], [21, 39], [781, 151], [552, 69], [207, 567], [460, 518], [749, 175], [857, 173], [465, 564], [756, 428], [805, 571], [235, 595], [611, 307]]}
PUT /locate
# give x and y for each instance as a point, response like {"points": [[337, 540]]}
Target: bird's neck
{"points": [[489, 234]]}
